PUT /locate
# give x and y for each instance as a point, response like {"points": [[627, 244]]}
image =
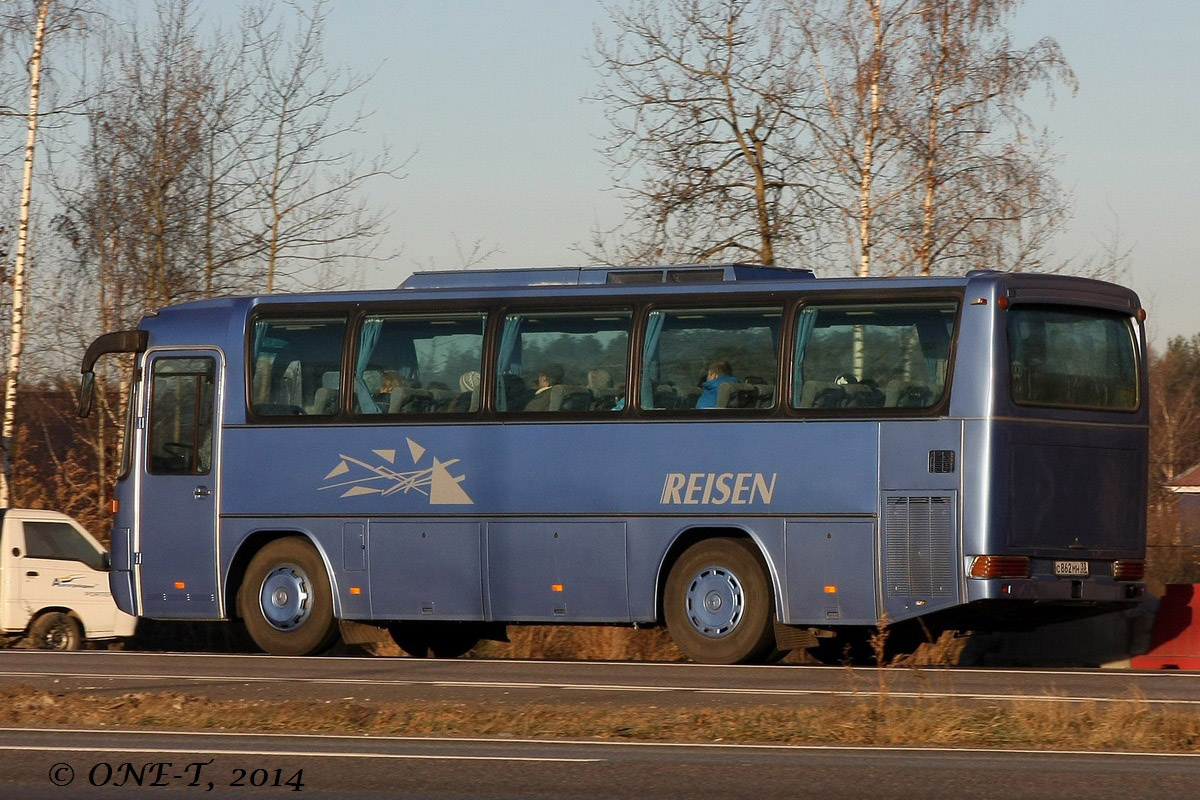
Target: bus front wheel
{"points": [[718, 604], [285, 601]]}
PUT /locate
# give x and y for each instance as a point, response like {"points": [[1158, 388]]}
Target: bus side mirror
{"points": [[87, 393], [115, 342]]}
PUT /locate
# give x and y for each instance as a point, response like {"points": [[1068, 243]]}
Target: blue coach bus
{"points": [[756, 458]]}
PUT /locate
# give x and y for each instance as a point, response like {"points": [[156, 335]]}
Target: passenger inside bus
{"points": [[720, 374], [549, 377]]}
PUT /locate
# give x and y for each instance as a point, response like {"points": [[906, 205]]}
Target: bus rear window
{"points": [[1064, 357]]}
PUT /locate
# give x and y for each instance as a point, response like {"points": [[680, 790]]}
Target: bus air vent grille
{"points": [[941, 461], [919, 542]]}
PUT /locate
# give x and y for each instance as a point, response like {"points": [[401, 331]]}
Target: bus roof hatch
{"points": [[578, 276]]}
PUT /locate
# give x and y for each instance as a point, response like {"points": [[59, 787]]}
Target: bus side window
{"points": [[296, 366], [562, 362], [881, 355], [710, 359], [417, 363]]}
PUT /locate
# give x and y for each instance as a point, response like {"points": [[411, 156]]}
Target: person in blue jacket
{"points": [[718, 372]]}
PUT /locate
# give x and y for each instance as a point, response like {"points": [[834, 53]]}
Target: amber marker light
{"points": [[1000, 567], [1001, 303], [830, 590], [180, 585], [114, 506], [556, 587], [355, 590]]}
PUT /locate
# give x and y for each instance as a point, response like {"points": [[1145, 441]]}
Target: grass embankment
{"points": [[1131, 725]]}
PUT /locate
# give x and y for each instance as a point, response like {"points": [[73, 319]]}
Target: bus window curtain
{"points": [[260, 333], [509, 359], [366, 346], [260, 381], [804, 327], [650, 365]]}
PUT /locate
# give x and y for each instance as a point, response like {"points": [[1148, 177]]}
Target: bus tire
{"points": [[56, 631], [718, 604], [285, 600]]}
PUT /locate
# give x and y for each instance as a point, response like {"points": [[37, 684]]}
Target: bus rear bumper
{"points": [[1044, 588], [1027, 603]]}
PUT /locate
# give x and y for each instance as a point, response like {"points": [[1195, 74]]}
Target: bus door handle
{"points": [[201, 492]]}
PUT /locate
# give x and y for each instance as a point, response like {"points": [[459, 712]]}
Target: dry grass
{"points": [[1130, 724]]}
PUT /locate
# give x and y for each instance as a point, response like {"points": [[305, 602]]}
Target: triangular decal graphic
{"points": [[341, 469], [444, 489], [378, 476]]}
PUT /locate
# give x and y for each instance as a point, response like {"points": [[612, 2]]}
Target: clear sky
{"points": [[487, 94]]}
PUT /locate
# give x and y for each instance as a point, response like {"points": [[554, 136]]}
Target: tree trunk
{"points": [[17, 330]]}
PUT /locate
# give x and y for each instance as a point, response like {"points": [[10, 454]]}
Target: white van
{"points": [[54, 582]]}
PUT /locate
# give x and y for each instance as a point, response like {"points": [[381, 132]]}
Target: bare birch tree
{"points": [[986, 194], [705, 98], [858, 50], [16, 339], [893, 126]]}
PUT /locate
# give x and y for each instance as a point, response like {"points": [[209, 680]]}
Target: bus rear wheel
{"points": [[285, 600], [56, 631], [718, 604]]}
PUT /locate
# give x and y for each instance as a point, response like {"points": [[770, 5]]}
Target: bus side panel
{"points": [[120, 576], [566, 571], [921, 463], [831, 572], [578, 469], [426, 568], [659, 479]]}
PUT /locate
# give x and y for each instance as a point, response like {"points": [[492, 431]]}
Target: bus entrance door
{"points": [[177, 521]]}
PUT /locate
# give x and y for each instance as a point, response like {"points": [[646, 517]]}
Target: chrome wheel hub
{"points": [[286, 597], [715, 602]]}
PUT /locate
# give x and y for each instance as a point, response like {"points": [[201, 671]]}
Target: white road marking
{"points": [[430, 663], [294, 753], [564, 743], [586, 687]]}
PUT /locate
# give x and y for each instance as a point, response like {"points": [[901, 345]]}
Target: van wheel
{"points": [[718, 604], [285, 600], [56, 631]]}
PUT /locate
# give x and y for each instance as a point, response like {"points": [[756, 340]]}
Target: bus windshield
{"points": [[1066, 357]]}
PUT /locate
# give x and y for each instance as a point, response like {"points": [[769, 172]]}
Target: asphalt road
{"points": [[590, 683], [57, 763], [87, 764]]}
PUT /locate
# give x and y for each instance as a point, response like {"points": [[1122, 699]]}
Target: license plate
{"points": [[1074, 568]]}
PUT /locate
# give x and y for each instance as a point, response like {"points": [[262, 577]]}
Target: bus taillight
{"points": [[1000, 567], [1129, 569]]}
